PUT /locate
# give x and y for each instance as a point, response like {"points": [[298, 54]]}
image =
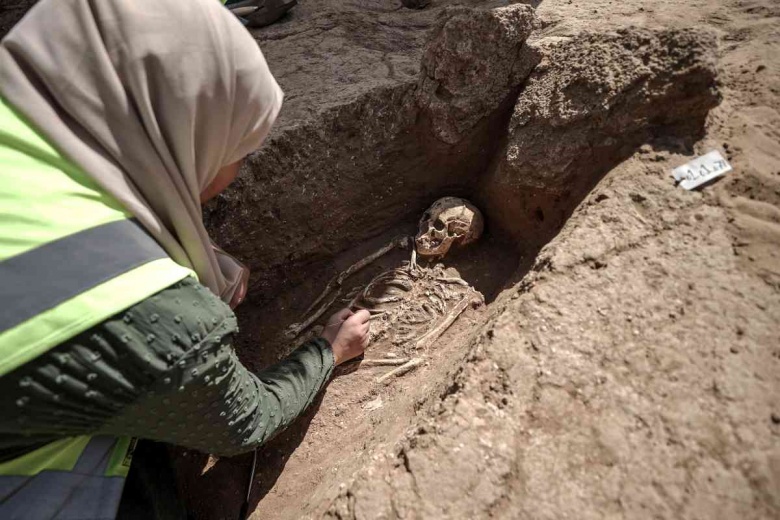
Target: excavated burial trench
{"points": [[305, 464], [527, 166], [308, 461], [342, 429], [305, 208]]}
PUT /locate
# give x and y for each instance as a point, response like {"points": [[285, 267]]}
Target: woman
{"points": [[118, 119]]}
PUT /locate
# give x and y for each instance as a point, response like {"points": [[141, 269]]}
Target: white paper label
{"points": [[700, 170]]}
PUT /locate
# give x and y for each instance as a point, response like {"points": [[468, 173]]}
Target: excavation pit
{"points": [[623, 366], [355, 411], [525, 136]]}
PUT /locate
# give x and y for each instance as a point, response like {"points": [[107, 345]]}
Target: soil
{"points": [[626, 361]]}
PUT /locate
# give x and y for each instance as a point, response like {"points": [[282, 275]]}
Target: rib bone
{"points": [[449, 318], [458, 281]]}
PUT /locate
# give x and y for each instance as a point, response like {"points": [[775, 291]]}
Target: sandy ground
{"points": [[629, 369], [633, 373]]}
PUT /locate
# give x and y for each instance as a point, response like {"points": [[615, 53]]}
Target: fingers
{"points": [[364, 328], [362, 316], [353, 334], [338, 319], [343, 314], [340, 316]]}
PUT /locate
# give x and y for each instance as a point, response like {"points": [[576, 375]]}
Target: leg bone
{"points": [[296, 328], [392, 362], [403, 369]]}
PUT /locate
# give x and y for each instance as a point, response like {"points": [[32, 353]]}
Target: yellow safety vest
{"points": [[70, 257]]}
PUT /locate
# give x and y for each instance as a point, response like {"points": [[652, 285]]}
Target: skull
{"points": [[450, 221]]}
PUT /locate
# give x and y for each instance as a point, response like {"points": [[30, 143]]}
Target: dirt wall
{"points": [[591, 103], [362, 167]]}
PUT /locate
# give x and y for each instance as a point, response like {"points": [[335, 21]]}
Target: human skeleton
{"points": [[411, 306]]}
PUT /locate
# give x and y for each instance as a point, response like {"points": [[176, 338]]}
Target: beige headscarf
{"points": [[151, 98]]}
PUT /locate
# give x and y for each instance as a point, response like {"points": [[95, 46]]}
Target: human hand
{"points": [[334, 324], [352, 337]]}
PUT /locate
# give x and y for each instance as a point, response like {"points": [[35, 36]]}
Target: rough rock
{"points": [[473, 61], [590, 103]]}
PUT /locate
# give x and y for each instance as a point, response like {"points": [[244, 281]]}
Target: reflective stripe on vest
{"points": [[88, 491], [41, 278], [70, 256]]}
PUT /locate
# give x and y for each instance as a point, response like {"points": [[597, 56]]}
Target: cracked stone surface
{"points": [[473, 61]]}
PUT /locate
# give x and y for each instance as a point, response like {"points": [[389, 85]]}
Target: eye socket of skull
{"points": [[439, 225]]}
